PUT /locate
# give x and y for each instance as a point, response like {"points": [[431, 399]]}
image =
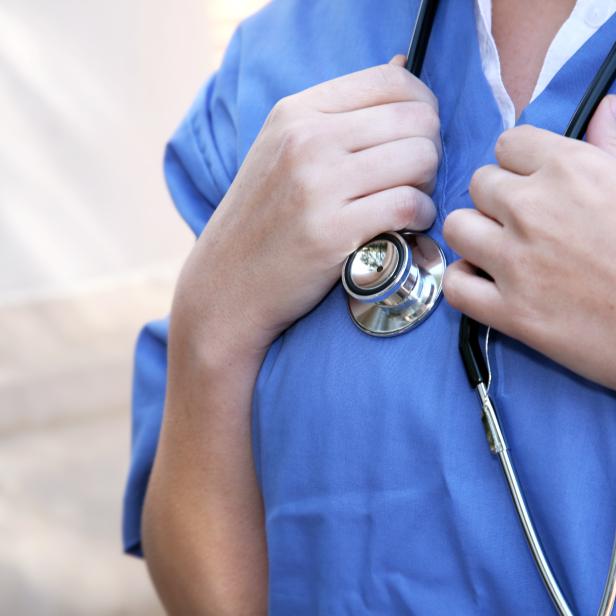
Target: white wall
{"points": [[90, 91], [89, 246]]}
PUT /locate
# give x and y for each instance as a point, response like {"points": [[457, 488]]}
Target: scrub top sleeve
{"points": [[200, 163]]}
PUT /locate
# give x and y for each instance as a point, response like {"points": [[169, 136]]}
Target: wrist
{"points": [[213, 344]]}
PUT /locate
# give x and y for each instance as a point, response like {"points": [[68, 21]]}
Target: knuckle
{"points": [[392, 78], [477, 182], [609, 142], [504, 141], [426, 159], [524, 210], [296, 141], [509, 137], [452, 288], [283, 110], [294, 165], [405, 206], [426, 118], [403, 113], [432, 99], [451, 226]]}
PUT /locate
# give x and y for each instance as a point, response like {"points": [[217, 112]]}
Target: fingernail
{"points": [[398, 59]]}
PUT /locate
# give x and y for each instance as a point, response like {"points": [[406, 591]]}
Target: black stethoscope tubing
{"points": [[475, 364]]}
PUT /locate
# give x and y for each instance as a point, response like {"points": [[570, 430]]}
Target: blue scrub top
{"points": [[381, 496]]}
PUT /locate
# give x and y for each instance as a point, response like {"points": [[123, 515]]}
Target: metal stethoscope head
{"points": [[394, 282]]}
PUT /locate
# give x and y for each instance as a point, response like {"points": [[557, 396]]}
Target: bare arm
{"points": [[311, 190], [203, 532]]}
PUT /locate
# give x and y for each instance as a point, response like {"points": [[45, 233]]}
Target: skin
{"points": [[522, 48], [328, 172], [332, 167], [535, 231]]}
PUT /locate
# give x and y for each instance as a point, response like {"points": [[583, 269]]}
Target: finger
{"points": [[366, 128], [396, 208], [475, 237], [474, 295], [379, 85], [525, 149], [406, 162], [491, 190], [398, 60], [602, 128]]}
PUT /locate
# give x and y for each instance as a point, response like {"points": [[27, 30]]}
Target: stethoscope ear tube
{"points": [[472, 357], [475, 365], [594, 94], [421, 36]]}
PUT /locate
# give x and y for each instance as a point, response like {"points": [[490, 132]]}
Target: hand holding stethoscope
{"points": [[538, 263], [332, 167]]}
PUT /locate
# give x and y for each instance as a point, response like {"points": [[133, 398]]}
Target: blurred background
{"points": [[90, 246]]}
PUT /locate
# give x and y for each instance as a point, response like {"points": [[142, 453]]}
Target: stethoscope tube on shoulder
{"points": [[394, 283], [599, 87]]}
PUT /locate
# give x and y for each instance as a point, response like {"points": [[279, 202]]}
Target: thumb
{"points": [[602, 128]]}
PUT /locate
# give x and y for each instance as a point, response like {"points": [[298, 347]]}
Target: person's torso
{"points": [[381, 496]]}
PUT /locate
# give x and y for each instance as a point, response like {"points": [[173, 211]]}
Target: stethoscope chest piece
{"points": [[394, 282]]}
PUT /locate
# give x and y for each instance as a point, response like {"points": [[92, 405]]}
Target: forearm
{"points": [[203, 530], [301, 195]]}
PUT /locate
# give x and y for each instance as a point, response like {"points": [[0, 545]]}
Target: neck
{"points": [[523, 31]]}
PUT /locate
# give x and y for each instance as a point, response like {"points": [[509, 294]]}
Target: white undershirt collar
{"points": [[585, 19]]}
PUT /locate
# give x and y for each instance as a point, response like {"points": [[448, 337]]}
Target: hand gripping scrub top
{"points": [[381, 496]]}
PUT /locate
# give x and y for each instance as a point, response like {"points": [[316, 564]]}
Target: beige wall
{"points": [[90, 92], [89, 248]]}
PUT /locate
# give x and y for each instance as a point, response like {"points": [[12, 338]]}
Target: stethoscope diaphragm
{"points": [[394, 282]]}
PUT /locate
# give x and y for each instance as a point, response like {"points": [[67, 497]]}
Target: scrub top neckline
{"points": [[579, 69], [577, 28]]}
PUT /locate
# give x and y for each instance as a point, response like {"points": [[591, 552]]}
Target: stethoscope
{"points": [[394, 282]]}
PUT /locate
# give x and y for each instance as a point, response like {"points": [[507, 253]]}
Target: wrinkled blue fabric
{"points": [[381, 496]]}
